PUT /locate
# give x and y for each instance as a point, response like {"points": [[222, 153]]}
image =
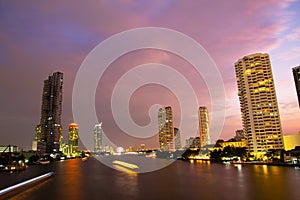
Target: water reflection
{"points": [[126, 170], [76, 179], [72, 181]]}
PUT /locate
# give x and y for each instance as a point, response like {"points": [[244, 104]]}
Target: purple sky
{"points": [[40, 38]]}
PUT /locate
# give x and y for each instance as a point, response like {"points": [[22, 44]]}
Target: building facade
{"points": [[203, 126], [50, 125], [98, 132], [73, 138], [177, 139], [193, 142], [239, 135], [296, 74], [258, 103], [166, 129]]}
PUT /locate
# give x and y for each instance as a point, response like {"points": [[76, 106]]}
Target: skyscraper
{"points": [[73, 137], [98, 132], [203, 126], [51, 130], [165, 129], [296, 73], [177, 138], [258, 102]]}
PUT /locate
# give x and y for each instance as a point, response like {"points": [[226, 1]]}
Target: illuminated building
{"points": [[233, 144], [9, 148], [98, 132], [177, 138], [38, 133], [258, 102], [166, 129], [143, 147], [193, 142], [189, 142], [239, 135], [296, 73], [203, 126], [291, 141], [73, 138], [51, 130]]}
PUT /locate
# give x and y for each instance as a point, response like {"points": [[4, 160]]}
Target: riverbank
{"points": [[268, 163]]}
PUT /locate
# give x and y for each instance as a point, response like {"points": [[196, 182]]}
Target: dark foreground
{"points": [[90, 179]]}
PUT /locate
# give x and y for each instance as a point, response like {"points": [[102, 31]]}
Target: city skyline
{"points": [[39, 39]]}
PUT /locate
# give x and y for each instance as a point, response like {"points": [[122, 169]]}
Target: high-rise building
{"points": [[98, 132], [203, 126], [166, 129], [189, 142], [193, 142], [258, 102], [73, 138], [239, 135], [296, 73], [51, 129], [177, 138], [38, 133]]}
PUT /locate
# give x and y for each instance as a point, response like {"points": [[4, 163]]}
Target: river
{"points": [[90, 179]]}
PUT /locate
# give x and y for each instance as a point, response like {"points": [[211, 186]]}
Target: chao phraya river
{"points": [[90, 179]]}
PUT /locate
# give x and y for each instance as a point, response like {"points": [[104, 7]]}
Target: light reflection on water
{"points": [[75, 179]]}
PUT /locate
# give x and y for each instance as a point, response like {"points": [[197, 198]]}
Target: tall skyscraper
{"points": [[166, 129], [203, 126], [51, 130], [177, 138], [98, 132], [258, 102], [73, 138], [296, 73]]}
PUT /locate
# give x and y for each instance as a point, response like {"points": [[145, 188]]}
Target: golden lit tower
{"points": [[203, 126], [73, 137], [258, 102], [166, 129]]}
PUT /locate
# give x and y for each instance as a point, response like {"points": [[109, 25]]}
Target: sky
{"points": [[38, 38]]}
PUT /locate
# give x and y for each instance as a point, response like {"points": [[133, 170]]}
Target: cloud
{"points": [[293, 54], [38, 37], [294, 35]]}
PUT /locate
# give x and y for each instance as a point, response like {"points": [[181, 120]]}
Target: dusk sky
{"points": [[39, 38]]}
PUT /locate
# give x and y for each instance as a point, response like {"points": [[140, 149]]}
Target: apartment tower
{"points": [[203, 126], [166, 129], [258, 103]]}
